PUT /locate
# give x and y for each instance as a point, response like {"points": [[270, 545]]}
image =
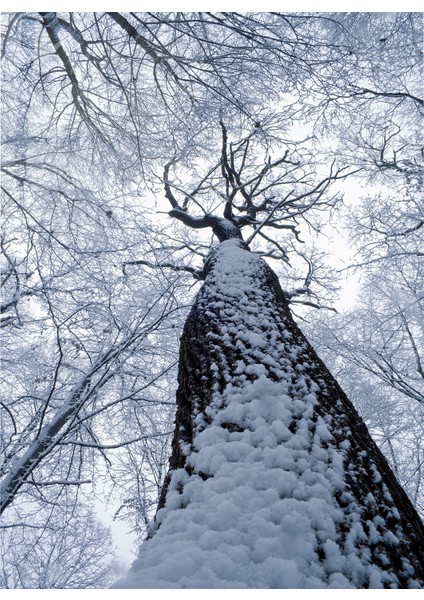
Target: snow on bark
{"points": [[274, 480]]}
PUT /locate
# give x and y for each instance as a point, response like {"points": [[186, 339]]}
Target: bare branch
{"points": [[197, 274]]}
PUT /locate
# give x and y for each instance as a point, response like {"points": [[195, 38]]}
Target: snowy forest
{"points": [[212, 310]]}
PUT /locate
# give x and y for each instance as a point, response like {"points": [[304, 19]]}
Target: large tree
{"points": [[274, 479]]}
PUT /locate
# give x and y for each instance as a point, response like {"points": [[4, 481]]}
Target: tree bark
{"points": [[240, 330]]}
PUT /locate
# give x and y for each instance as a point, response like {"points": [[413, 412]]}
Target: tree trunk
{"points": [[274, 480]]}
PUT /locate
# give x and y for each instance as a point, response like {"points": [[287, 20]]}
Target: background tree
{"points": [[70, 549], [380, 339]]}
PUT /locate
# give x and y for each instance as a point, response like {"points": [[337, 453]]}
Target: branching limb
{"points": [[16, 17], [168, 192], [283, 253], [195, 272], [58, 482], [307, 282], [419, 365], [146, 46], [312, 304], [116, 446], [419, 101]]}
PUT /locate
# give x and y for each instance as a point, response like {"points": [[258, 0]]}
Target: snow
{"points": [[260, 508]]}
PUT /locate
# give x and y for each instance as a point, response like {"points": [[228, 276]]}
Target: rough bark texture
{"points": [[240, 350]]}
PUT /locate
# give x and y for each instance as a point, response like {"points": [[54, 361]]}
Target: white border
{"points": [[218, 5]]}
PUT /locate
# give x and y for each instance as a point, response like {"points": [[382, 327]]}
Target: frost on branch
{"points": [[274, 479]]}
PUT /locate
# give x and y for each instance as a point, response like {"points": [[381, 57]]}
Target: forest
{"points": [[212, 307]]}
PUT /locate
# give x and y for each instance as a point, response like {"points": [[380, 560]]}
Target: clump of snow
{"points": [[265, 504]]}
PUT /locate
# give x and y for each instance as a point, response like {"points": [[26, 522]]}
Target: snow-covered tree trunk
{"points": [[274, 479]]}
